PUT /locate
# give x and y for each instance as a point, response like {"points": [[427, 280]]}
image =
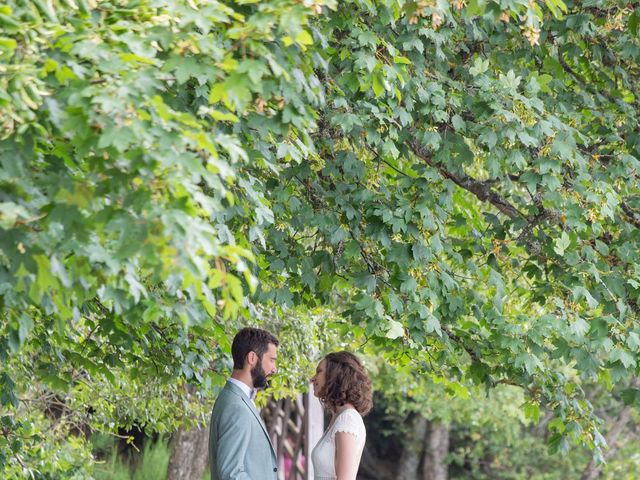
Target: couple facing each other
{"points": [[239, 446]]}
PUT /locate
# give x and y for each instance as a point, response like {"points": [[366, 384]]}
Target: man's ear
{"points": [[252, 358]]}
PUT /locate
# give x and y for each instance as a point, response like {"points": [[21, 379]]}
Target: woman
{"points": [[343, 386]]}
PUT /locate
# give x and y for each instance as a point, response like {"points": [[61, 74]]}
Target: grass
{"points": [[150, 464], [114, 469]]}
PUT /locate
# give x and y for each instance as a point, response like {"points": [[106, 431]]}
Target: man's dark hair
{"points": [[250, 340]]}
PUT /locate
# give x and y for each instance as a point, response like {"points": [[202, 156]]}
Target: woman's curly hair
{"points": [[346, 381]]}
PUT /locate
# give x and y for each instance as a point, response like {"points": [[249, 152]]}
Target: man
{"points": [[239, 446]]}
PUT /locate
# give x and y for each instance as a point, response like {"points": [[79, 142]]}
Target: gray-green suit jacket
{"points": [[239, 446]]}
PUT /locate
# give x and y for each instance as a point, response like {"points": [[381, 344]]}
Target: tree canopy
{"points": [[457, 180]]}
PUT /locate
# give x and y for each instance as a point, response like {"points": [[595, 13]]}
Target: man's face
{"points": [[265, 368]]}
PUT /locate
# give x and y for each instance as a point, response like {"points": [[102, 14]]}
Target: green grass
{"points": [[155, 461], [113, 469], [150, 464]]}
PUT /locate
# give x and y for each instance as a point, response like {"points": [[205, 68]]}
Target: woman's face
{"points": [[319, 378]]}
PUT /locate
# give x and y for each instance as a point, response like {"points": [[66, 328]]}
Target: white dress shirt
{"points": [[250, 392]]}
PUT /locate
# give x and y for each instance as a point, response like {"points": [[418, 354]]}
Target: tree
{"points": [[460, 180], [121, 279], [473, 196], [489, 437]]}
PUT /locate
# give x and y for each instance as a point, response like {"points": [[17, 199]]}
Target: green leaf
{"points": [[532, 412], [7, 47], [530, 362], [402, 60], [476, 7], [579, 327], [557, 425], [9, 214], [480, 66], [432, 325], [304, 38], [557, 7], [222, 116], [395, 303], [633, 341], [218, 93], [458, 123], [623, 356], [581, 292], [394, 329], [562, 243], [378, 87]]}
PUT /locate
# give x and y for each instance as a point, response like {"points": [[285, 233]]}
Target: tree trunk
{"points": [[412, 449], [189, 455], [434, 463]]}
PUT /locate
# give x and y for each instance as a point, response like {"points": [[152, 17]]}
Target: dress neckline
{"points": [[333, 420]]}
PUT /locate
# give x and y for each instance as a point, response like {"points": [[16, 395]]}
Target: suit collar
{"points": [[233, 387], [248, 391]]}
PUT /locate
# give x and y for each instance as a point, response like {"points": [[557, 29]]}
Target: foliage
{"points": [[119, 273], [490, 436], [464, 202], [458, 180], [38, 443], [625, 465]]}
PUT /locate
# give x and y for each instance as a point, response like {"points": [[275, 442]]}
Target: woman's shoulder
{"points": [[350, 413], [350, 421]]}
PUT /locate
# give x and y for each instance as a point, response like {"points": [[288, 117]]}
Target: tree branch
{"points": [[633, 218], [482, 190]]}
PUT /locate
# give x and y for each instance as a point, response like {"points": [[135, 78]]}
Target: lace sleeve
{"points": [[349, 422]]}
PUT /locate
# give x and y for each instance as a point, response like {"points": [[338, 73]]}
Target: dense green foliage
{"points": [[490, 436], [457, 179]]}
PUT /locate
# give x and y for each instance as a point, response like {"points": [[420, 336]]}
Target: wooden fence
{"points": [[295, 425]]}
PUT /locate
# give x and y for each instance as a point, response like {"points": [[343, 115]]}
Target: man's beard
{"points": [[259, 376]]}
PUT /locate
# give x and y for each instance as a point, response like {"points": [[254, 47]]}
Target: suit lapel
{"points": [[253, 409], [255, 412]]}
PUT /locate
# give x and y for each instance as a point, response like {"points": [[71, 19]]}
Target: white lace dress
{"points": [[324, 454]]}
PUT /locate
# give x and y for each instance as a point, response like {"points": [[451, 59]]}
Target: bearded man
{"points": [[239, 446]]}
